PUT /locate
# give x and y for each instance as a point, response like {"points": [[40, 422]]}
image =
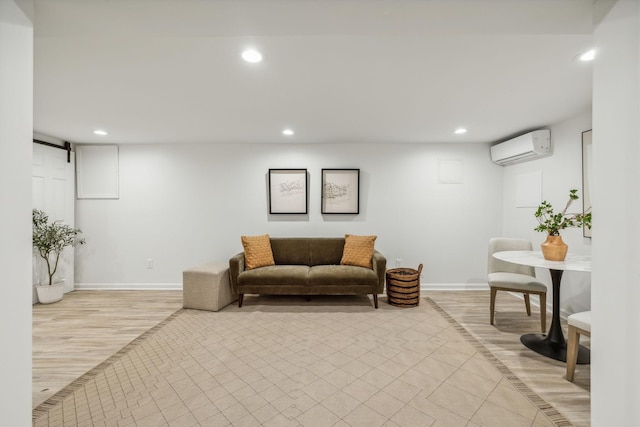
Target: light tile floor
{"points": [[544, 376], [281, 361]]}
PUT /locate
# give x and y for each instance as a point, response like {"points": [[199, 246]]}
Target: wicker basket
{"points": [[403, 286]]}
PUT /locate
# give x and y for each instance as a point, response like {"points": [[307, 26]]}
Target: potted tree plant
{"points": [[554, 249], [49, 240]]}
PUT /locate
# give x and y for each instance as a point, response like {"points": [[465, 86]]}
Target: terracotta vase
{"points": [[554, 249]]}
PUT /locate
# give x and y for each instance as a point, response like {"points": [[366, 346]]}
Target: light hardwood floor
{"points": [[80, 332]]}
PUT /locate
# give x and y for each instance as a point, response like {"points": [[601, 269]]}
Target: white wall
{"points": [[16, 124], [184, 204], [561, 172], [615, 351]]}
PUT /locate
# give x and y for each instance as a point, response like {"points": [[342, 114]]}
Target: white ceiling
{"points": [[333, 70]]}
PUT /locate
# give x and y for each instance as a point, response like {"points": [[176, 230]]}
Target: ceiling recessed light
{"points": [[588, 55], [100, 132], [251, 55], [460, 131], [287, 132]]}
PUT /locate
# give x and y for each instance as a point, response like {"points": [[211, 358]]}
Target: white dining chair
{"points": [[579, 324], [506, 276]]}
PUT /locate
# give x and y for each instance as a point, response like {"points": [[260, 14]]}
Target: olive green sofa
{"points": [[307, 266]]}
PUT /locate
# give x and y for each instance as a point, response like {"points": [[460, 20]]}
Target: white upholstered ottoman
{"points": [[206, 287]]}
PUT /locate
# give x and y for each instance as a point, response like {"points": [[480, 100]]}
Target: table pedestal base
{"points": [[558, 351]]}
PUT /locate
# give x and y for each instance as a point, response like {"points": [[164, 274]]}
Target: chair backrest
{"points": [[499, 244]]}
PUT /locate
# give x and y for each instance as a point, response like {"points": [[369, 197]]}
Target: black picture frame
{"points": [[340, 191], [288, 191]]}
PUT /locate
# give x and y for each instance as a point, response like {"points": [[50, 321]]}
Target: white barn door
{"points": [[53, 192]]}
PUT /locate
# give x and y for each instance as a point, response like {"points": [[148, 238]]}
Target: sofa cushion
{"points": [[358, 250], [275, 275], [290, 250], [347, 275], [257, 251], [326, 250]]}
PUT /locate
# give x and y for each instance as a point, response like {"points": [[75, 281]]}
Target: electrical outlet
{"points": [[149, 263], [398, 262]]}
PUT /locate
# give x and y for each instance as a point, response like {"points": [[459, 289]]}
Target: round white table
{"points": [[552, 344]]}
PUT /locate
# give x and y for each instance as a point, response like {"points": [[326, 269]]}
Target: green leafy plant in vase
{"points": [[554, 249], [50, 238]]}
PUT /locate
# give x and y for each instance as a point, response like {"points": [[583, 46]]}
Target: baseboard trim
{"points": [[454, 286], [178, 286], [128, 286]]}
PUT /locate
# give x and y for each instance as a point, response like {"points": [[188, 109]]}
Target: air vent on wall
{"points": [[522, 148]]}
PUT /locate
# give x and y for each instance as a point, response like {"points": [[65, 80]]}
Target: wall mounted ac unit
{"points": [[521, 148]]}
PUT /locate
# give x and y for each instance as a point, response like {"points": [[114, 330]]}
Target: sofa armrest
{"points": [[380, 267], [236, 266]]}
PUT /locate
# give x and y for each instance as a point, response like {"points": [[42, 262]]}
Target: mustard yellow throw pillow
{"points": [[358, 250], [257, 251]]}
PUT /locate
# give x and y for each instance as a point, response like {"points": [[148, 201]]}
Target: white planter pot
{"points": [[48, 294]]}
